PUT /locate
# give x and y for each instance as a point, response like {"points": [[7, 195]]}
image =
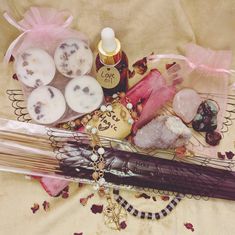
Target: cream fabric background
{"points": [[162, 26]]}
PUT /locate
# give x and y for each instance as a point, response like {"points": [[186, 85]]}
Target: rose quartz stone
{"points": [[186, 103]]}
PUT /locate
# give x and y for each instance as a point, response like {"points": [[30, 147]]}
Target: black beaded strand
{"points": [[147, 215]]}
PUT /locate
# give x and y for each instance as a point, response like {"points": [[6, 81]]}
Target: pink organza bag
{"points": [[44, 28], [41, 27], [211, 78], [207, 71]]}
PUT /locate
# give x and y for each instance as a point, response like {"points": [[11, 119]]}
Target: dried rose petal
{"points": [[165, 198], [12, 58], [213, 138], [170, 65], [123, 225], [83, 201], [189, 226], [66, 189], [180, 151], [220, 155], [65, 192], [144, 195], [90, 196], [108, 99], [65, 195], [230, 155], [46, 205], [35, 207], [131, 73], [97, 208], [140, 66], [15, 77], [78, 234]]}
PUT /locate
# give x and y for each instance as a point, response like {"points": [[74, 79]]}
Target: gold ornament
{"points": [[114, 214]]}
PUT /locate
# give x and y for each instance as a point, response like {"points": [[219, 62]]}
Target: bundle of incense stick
{"points": [[38, 150]]}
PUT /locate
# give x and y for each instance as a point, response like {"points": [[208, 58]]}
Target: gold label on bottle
{"points": [[108, 77]]}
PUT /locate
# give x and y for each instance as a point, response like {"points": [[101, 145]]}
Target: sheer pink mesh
{"points": [[43, 28], [210, 79]]}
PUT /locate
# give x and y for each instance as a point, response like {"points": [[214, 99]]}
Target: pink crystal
{"points": [[144, 88], [156, 100], [186, 103]]}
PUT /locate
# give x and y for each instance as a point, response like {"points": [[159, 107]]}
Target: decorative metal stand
{"points": [[67, 152]]}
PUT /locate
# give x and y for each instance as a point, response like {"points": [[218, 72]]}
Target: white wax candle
{"points": [[46, 105], [73, 58], [35, 67], [84, 94]]}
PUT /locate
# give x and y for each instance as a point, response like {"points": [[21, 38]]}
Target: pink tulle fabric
{"points": [[209, 62], [206, 71], [211, 78], [41, 27], [44, 28]]}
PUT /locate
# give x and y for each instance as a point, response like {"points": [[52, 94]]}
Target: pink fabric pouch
{"points": [[43, 28], [210, 77], [204, 70]]}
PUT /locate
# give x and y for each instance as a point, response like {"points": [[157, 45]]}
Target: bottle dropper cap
{"points": [[109, 47], [108, 40]]}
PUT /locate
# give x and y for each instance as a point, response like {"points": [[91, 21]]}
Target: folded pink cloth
{"points": [[53, 186]]}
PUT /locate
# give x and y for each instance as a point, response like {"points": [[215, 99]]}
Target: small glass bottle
{"points": [[111, 64]]}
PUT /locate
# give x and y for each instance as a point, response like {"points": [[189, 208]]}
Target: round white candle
{"points": [[46, 105], [73, 58], [84, 94], [35, 67]]}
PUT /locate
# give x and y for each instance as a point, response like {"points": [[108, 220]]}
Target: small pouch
{"points": [[207, 72], [44, 30]]}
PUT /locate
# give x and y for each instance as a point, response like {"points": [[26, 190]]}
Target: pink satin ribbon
{"points": [[157, 58], [24, 30]]}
